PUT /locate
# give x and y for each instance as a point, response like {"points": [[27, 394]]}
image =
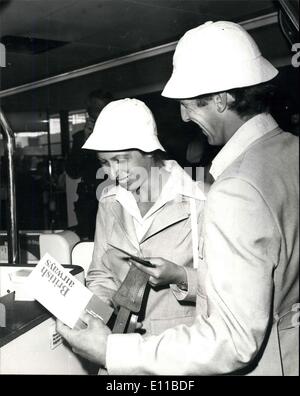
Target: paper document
{"points": [[62, 294]]}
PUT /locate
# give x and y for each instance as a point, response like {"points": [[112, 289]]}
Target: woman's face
{"points": [[131, 168]]}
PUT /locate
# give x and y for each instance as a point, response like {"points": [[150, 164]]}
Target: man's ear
{"points": [[221, 101]]}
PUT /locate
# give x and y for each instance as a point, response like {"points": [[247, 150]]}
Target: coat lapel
{"points": [[170, 214], [125, 222]]}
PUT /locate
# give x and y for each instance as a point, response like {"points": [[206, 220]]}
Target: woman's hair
{"points": [[248, 101], [159, 157]]}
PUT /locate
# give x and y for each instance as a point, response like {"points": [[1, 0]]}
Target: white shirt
{"points": [[178, 184]]}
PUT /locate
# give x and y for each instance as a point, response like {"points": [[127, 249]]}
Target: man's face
{"points": [[206, 117], [130, 168]]}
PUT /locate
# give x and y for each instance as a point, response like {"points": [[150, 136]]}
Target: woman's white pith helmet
{"points": [[122, 125], [215, 57]]}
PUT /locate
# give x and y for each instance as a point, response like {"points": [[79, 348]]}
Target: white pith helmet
{"points": [[122, 125], [215, 57]]}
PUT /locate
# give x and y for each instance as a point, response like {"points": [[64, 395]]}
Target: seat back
{"points": [[59, 245], [82, 255]]}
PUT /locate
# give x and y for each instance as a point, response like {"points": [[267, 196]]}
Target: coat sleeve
{"points": [[236, 289], [190, 293], [100, 279]]}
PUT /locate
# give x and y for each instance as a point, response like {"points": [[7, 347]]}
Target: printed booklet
{"points": [[62, 294]]}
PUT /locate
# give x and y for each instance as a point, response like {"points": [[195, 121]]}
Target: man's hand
{"points": [[165, 272], [89, 342]]}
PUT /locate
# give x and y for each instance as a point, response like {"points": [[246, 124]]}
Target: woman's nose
{"points": [[114, 171]]}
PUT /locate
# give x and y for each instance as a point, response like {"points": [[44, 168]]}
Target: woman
{"points": [[146, 212]]}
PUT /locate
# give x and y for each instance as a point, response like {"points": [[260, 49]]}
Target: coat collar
{"points": [[166, 216], [255, 128], [181, 183], [179, 188], [125, 221]]}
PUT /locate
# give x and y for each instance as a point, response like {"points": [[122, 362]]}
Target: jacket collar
{"points": [[255, 128], [179, 187], [167, 216], [125, 221], [181, 183]]}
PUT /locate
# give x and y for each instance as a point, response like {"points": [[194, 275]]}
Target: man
{"points": [[248, 279], [83, 165]]}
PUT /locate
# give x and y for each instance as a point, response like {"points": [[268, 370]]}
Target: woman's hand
{"points": [[165, 272]]}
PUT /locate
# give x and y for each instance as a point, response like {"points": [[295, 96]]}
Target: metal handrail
{"points": [[290, 12], [12, 231]]}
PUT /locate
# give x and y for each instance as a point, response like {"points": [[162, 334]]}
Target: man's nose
{"points": [[184, 114]]}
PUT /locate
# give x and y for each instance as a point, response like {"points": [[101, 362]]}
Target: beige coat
{"points": [[248, 287], [169, 236]]}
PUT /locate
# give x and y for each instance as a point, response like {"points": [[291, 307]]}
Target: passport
{"points": [[133, 257]]}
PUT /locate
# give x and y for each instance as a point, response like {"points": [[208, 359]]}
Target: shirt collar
{"points": [[128, 201], [178, 184], [250, 131], [181, 183]]}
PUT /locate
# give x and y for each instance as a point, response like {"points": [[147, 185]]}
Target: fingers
{"points": [[85, 317], [67, 334], [64, 330], [153, 260], [154, 281], [139, 325], [83, 321], [94, 322], [147, 270]]}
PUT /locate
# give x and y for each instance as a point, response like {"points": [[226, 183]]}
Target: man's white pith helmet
{"points": [[122, 125], [215, 57]]}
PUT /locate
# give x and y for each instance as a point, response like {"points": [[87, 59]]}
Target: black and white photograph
{"points": [[149, 190]]}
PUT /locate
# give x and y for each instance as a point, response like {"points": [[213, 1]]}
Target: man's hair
{"points": [[100, 94], [97, 100], [248, 101]]}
